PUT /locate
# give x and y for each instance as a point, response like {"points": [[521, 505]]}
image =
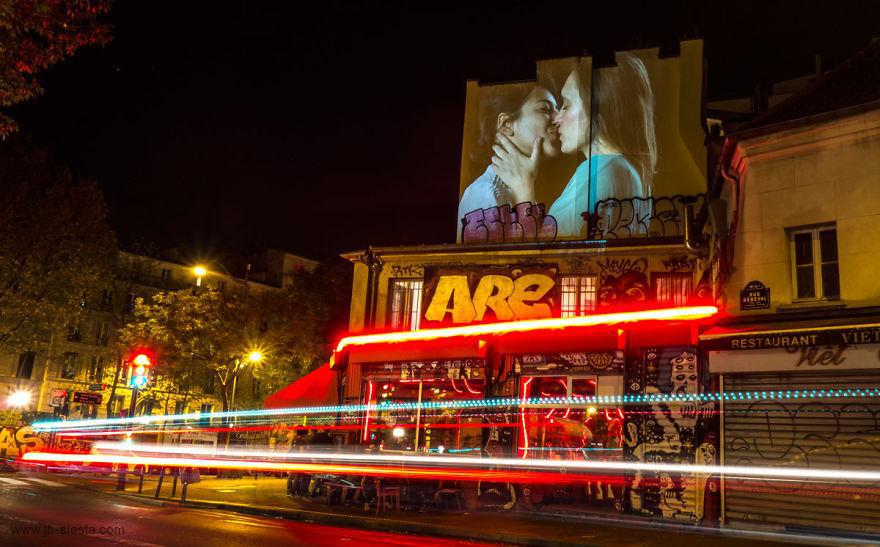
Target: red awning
{"points": [[317, 388]]}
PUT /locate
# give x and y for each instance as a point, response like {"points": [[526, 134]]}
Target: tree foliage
{"points": [[209, 334], [36, 34], [55, 247]]}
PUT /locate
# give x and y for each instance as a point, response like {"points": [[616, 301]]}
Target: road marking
{"points": [[13, 482], [43, 481]]}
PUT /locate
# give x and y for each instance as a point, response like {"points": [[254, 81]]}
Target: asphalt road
{"points": [[37, 510]]}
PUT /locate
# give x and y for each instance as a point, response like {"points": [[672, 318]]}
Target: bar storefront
{"points": [[520, 340]]}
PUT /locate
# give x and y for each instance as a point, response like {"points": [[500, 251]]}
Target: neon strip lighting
{"points": [[484, 464], [664, 314], [576, 401]]}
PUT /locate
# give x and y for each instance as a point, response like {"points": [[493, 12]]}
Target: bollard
{"points": [[159, 484], [174, 485], [141, 480], [183, 491], [120, 482]]}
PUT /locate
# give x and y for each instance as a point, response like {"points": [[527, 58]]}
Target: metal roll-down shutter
{"points": [[828, 431]]}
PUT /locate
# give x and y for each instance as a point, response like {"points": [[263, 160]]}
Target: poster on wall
{"points": [[581, 151], [485, 294]]}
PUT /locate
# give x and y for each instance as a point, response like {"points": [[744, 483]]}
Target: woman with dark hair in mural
{"points": [[522, 115], [609, 120]]}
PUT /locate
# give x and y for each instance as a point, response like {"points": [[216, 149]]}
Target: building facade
{"points": [[81, 373], [802, 291]]}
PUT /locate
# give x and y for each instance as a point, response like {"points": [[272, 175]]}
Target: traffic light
{"points": [[140, 362]]}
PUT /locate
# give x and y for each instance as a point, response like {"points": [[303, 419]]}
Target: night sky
{"points": [[325, 127]]}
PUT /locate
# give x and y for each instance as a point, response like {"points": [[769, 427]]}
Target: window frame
{"points": [[580, 290], [412, 316], [818, 285], [655, 286]]}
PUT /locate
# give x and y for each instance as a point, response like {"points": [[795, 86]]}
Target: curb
{"points": [[377, 524]]}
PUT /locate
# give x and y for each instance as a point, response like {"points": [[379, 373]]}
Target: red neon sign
{"points": [[555, 323]]}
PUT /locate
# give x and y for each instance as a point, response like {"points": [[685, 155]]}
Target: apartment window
{"points": [[26, 365], [96, 369], [221, 286], [814, 270], [106, 297], [179, 407], [130, 301], [406, 303], [73, 334], [70, 365], [102, 333], [672, 288], [577, 294], [166, 275], [149, 405]]}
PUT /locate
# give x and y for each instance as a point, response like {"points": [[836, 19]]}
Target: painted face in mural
{"points": [[629, 288], [573, 118], [534, 120], [684, 372]]}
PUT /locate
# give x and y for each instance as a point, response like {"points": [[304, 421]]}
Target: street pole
{"points": [[134, 396]]}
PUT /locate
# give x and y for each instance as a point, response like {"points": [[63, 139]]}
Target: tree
{"points": [[36, 34], [55, 247], [209, 334]]}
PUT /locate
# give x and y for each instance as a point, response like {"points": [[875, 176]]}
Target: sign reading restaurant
{"points": [[827, 336]]}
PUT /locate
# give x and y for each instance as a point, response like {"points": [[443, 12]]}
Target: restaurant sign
{"points": [[786, 339]]}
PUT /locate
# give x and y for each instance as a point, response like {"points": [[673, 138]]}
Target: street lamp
{"points": [[19, 398], [200, 272]]}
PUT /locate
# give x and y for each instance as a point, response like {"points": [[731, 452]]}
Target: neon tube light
{"points": [[664, 314]]}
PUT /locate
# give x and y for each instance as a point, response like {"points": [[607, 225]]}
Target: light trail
{"points": [[513, 402], [482, 464]]}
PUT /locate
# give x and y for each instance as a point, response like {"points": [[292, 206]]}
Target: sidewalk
{"points": [[267, 496]]}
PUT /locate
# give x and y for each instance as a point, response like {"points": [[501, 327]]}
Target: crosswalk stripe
{"points": [[13, 482], [44, 481]]}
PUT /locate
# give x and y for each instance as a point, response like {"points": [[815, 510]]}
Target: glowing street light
{"points": [[200, 272], [20, 398], [255, 356]]}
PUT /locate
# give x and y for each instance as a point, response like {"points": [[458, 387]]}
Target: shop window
{"points": [[70, 365], [433, 430], [406, 304], [577, 295], [672, 288], [26, 365], [814, 263], [550, 430]]}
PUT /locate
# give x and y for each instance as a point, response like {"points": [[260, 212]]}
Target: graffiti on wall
{"points": [[677, 433], [476, 294], [18, 440], [525, 222], [622, 281]]}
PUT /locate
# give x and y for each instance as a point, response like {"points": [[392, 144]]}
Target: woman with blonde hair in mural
{"points": [[609, 120]]}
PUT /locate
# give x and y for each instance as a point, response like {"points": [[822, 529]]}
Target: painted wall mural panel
{"points": [[677, 433]]}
